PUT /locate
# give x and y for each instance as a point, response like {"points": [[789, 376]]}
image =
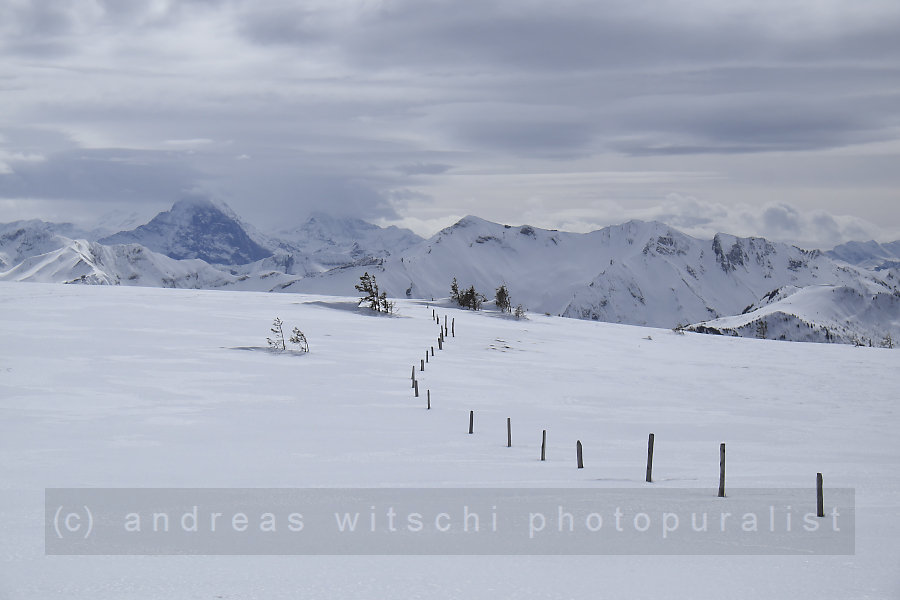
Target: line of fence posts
{"points": [[579, 450]]}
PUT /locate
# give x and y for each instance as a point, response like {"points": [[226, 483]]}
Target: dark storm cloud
{"points": [[742, 81], [530, 36], [36, 29], [98, 175]]}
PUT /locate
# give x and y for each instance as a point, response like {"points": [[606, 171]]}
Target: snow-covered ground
{"points": [[104, 386]]}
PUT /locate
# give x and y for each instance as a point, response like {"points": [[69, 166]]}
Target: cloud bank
{"points": [[573, 112]]}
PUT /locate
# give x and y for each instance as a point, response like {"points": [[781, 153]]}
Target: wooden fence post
{"points": [[508, 432], [432, 350], [453, 327], [722, 470], [422, 364], [471, 421], [544, 445], [428, 393], [820, 497], [650, 459], [440, 344], [579, 455], [416, 387]]}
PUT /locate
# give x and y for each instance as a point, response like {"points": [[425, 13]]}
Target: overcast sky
{"points": [[769, 118]]}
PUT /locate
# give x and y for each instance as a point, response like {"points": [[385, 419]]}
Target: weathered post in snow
{"points": [[432, 350], [413, 376], [432, 313], [722, 470], [422, 364], [650, 459], [416, 387], [508, 432], [471, 421], [453, 327], [426, 356], [445, 322], [544, 445], [578, 454], [820, 497], [440, 343], [428, 393]]}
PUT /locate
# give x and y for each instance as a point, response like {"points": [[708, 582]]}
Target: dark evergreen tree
{"points": [[369, 288], [454, 292], [471, 298], [501, 299]]}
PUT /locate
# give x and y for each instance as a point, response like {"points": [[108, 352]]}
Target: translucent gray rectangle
{"points": [[477, 521]]}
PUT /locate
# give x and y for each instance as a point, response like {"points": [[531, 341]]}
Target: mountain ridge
{"points": [[638, 272]]}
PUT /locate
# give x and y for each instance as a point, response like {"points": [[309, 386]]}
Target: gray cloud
{"points": [[424, 168], [363, 107], [98, 175]]}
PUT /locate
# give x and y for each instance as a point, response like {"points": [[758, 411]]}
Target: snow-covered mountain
{"points": [[870, 255], [818, 313], [197, 228], [22, 239], [80, 261], [330, 241], [642, 273], [670, 278]]}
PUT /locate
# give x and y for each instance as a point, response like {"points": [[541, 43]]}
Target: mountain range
{"points": [[641, 273]]}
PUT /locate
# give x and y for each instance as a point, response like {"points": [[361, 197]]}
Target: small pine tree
{"points": [[369, 287], [501, 299], [377, 301], [276, 342], [762, 329], [471, 298], [384, 304], [298, 337], [888, 341], [520, 311], [454, 292]]}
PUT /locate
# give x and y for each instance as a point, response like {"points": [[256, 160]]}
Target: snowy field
{"points": [[144, 387]]}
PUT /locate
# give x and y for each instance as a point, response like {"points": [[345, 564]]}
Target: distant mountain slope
{"points": [[869, 255], [80, 261], [330, 241], [541, 268], [674, 278], [196, 228], [21, 239], [643, 273], [818, 313]]}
